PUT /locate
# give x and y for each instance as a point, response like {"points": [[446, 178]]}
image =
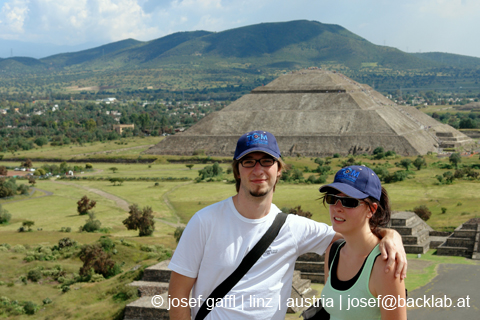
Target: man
{"points": [[218, 237]]}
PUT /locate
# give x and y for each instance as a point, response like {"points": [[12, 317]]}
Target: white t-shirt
{"points": [[218, 237]]}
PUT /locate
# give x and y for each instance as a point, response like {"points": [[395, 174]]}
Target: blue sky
{"points": [[410, 25]]}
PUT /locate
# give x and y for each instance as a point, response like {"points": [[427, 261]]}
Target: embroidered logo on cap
{"points": [[347, 174], [257, 138]]}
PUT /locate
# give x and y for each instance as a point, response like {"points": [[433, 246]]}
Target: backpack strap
{"points": [[247, 263]]}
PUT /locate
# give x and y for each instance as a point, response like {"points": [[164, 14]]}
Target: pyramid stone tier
{"points": [[316, 113]]}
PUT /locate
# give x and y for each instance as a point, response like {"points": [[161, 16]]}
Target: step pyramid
{"points": [[316, 113], [155, 283], [414, 231], [464, 242]]}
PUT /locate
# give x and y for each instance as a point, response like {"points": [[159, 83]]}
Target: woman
{"points": [[357, 286]]}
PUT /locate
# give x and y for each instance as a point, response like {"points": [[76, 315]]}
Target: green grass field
{"points": [[175, 202]]}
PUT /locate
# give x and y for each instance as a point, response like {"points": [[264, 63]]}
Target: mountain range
{"points": [[250, 49]]}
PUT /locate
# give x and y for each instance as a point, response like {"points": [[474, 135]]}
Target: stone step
{"points": [[311, 256], [421, 237], [417, 248], [304, 266], [460, 242], [297, 275], [150, 288], [464, 233], [158, 272], [300, 303], [302, 286], [143, 309], [436, 242], [402, 219], [413, 229], [453, 251], [314, 277]]}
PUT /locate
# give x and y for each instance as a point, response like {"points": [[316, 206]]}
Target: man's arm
{"points": [[392, 249], [179, 288]]}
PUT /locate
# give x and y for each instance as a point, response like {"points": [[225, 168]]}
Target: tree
{"points": [[405, 163], [423, 212], [28, 224], [455, 159], [116, 180], [189, 166], [84, 205], [141, 220], [41, 141], [32, 181], [90, 125], [114, 169], [27, 164], [419, 162]]}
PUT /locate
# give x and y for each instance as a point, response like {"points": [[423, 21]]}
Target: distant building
{"points": [[119, 127]]}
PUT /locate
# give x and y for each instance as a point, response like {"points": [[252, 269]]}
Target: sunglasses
{"points": [[346, 202]]}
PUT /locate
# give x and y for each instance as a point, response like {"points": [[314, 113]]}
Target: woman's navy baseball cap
{"points": [[257, 141], [358, 182]]}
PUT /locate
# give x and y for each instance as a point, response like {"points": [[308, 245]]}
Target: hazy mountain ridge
{"points": [[281, 45]]}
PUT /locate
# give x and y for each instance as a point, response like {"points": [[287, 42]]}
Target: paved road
{"points": [[455, 281]]}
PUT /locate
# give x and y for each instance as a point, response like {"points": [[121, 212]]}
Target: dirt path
{"points": [[169, 205], [119, 202], [47, 194]]}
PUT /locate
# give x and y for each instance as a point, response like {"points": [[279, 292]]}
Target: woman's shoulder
{"points": [[380, 280]]}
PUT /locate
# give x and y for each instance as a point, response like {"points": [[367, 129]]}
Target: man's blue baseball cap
{"points": [[257, 141], [358, 182]]}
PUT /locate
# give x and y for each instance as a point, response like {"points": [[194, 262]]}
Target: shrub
{"points": [[4, 216], [96, 259], [336, 155], [299, 212], [91, 224], [34, 275], [444, 210], [423, 212], [178, 233], [66, 242], [141, 220], [30, 307], [106, 243], [88, 166], [47, 301]]}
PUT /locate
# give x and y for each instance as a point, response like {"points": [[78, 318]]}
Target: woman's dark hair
{"points": [[381, 217]]}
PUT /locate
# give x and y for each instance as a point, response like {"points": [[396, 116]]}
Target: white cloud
{"points": [[76, 21], [12, 18], [448, 9], [442, 25]]}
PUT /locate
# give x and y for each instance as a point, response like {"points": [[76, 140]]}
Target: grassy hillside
{"points": [[173, 202]]}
